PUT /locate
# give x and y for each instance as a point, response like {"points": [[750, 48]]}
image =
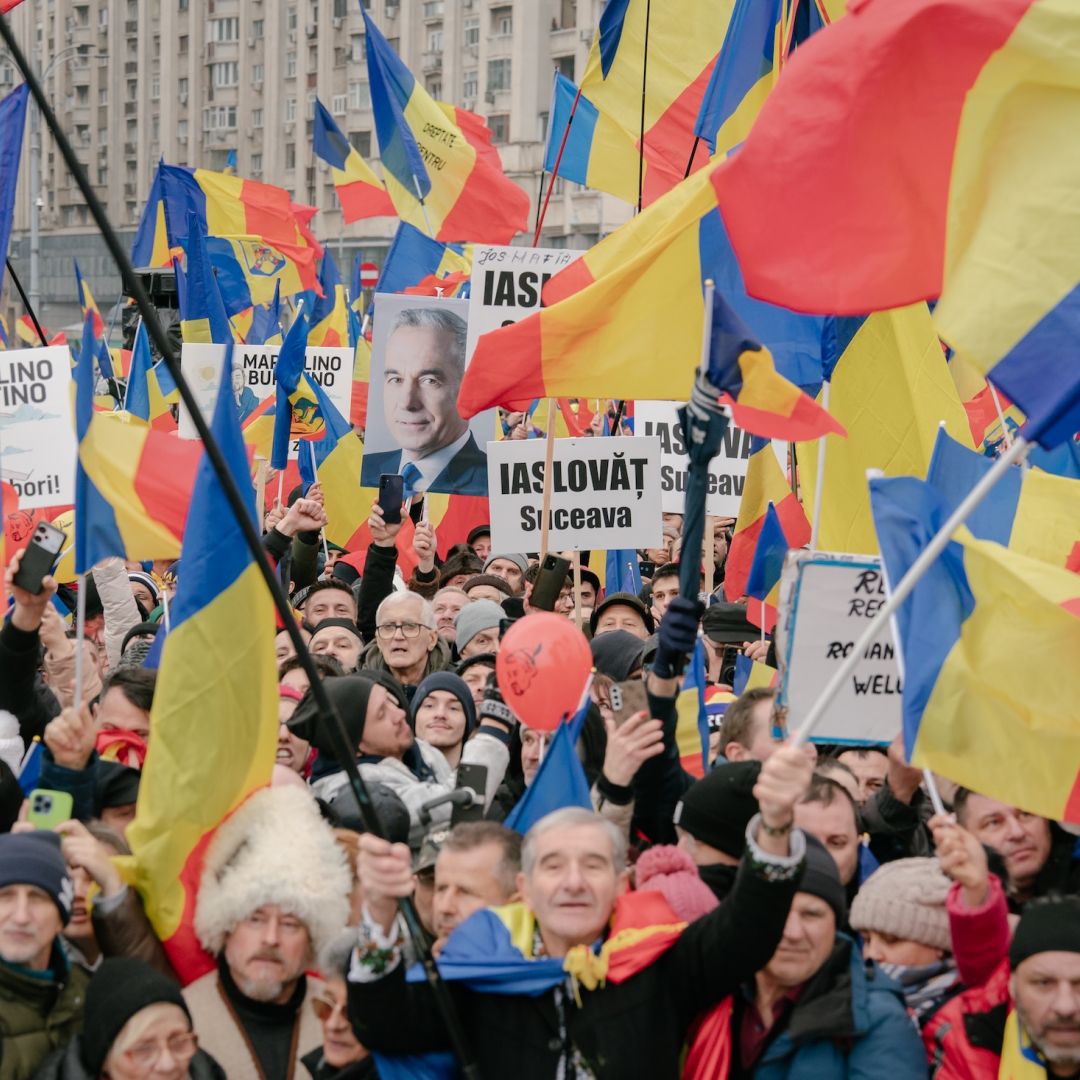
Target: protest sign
{"points": [[37, 435], [605, 493], [417, 363], [727, 471], [253, 378], [506, 285], [825, 604]]}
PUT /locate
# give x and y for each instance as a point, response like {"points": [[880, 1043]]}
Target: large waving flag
{"points": [[12, 121], [297, 413], [414, 257], [1034, 513], [430, 164], [330, 312], [683, 39], [599, 335], [132, 484], [962, 201], [765, 487], [220, 648], [763, 583], [359, 190], [981, 614], [202, 313], [890, 386]]}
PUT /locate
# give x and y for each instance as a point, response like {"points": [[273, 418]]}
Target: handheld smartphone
{"points": [[48, 808], [391, 496], [549, 582], [473, 777], [647, 568], [628, 698], [40, 557]]}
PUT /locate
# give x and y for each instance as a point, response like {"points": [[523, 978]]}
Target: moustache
{"points": [[268, 954]]}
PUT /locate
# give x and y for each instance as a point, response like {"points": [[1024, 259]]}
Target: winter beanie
{"points": [[717, 808], [1050, 925], [341, 624], [906, 899], [493, 580], [617, 653], [475, 616], [669, 871], [451, 683], [35, 859], [822, 879], [349, 695], [518, 560], [120, 988]]}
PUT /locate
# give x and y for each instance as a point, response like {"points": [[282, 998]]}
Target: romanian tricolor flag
{"points": [[682, 41], [132, 484], [88, 306], [826, 215], [431, 167], [692, 717], [995, 421], [330, 312], [763, 582], [889, 385], [359, 190], [202, 313], [297, 413], [981, 614], [150, 387], [26, 331], [1034, 513], [266, 322], [220, 648], [414, 257], [12, 121], [765, 486], [5, 334]]}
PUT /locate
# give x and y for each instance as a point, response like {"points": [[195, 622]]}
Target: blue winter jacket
{"points": [[850, 1023]]}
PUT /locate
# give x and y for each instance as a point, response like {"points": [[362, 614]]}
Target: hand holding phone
{"points": [[549, 583], [48, 808], [39, 558], [391, 496]]}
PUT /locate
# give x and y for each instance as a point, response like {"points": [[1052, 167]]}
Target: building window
{"points": [[103, 96], [219, 118], [182, 86], [155, 87], [339, 103], [472, 31], [290, 109], [258, 28], [225, 29], [433, 9], [226, 74], [103, 16], [102, 175], [434, 40], [359, 95], [500, 128], [434, 88], [256, 164], [132, 89], [257, 71], [310, 113], [361, 141], [290, 155], [341, 8], [181, 44], [256, 118], [181, 129], [498, 74], [470, 85], [341, 56], [502, 21], [357, 54], [565, 66], [290, 18], [82, 95], [182, 5], [290, 64]]}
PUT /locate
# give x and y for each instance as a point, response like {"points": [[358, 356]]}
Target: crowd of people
{"points": [[797, 913]]}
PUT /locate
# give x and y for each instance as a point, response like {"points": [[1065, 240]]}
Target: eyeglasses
{"points": [[408, 629], [324, 1009], [145, 1055]]}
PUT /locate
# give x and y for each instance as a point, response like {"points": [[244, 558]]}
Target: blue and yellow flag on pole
{"points": [[296, 410]]}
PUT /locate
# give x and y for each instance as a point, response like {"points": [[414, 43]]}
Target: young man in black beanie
{"points": [[41, 994]]}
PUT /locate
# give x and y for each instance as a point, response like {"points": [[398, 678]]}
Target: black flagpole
{"points": [[26, 303]]}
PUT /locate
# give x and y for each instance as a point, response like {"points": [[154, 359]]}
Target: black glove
{"points": [[493, 708], [677, 636]]}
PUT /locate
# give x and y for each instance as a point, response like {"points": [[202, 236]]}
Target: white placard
{"points": [[38, 447], [506, 284], [727, 471], [605, 494], [826, 601], [253, 378]]}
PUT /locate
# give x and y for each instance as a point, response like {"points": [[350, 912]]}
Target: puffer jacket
{"points": [[38, 1014]]}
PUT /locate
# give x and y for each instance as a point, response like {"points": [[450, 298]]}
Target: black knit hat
{"points": [[1047, 925], [120, 988], [349, 695], [626, 600], [821, 878], [717, 808], [33, 858]]}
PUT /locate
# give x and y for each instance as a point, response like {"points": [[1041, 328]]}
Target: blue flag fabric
{"points": [[266, 320], [288, 373], [621, 571], [769, 554], [12, 121], [137, 401]]}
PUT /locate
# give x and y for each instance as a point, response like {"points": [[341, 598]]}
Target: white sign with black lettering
{"points": [[727, 471], [253, 379], [506, 284], [605, 493], [37, 436], [826, 601]]}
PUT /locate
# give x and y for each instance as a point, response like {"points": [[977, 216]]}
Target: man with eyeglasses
{"points": [[406, 644]]}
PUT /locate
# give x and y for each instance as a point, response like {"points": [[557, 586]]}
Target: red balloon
{"points": [[541, 668]]}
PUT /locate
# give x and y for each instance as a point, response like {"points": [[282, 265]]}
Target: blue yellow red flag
{"points": [[297, 413], [220, 643], [330, 312], [978, 616], [763, 583], [692, 717], [438, 177], [413, 256], [266, 322], [359, 190], [202, 313], [150, 389]]}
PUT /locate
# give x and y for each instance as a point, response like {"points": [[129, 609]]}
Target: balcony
{"points": [[431, 62], [131, 27]]}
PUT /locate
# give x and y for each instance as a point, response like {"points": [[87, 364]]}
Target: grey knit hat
{"points": [[906, 899], [475, 616], [518, 560]]}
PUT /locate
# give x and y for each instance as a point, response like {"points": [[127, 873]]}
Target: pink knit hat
{"points": [[671, 872]]}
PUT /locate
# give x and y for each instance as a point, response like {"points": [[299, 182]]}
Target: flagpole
{"points": [[690, 161], [1001, 414], [641, 139], [80, 632], [819, 481], [423, 206], [165, 618], [26, 303], [127, 381], [315, 473], [549, 458], [1016, 453], [341, 747], [555, 169]]}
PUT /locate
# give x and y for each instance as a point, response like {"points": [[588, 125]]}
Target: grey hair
{"points": [[427, 613], [437, 318], [574, 815]]}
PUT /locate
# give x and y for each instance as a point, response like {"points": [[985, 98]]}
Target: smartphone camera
{"points": [[41, 803]]}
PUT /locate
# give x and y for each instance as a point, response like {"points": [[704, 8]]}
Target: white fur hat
{"points": [[275, 849]]}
